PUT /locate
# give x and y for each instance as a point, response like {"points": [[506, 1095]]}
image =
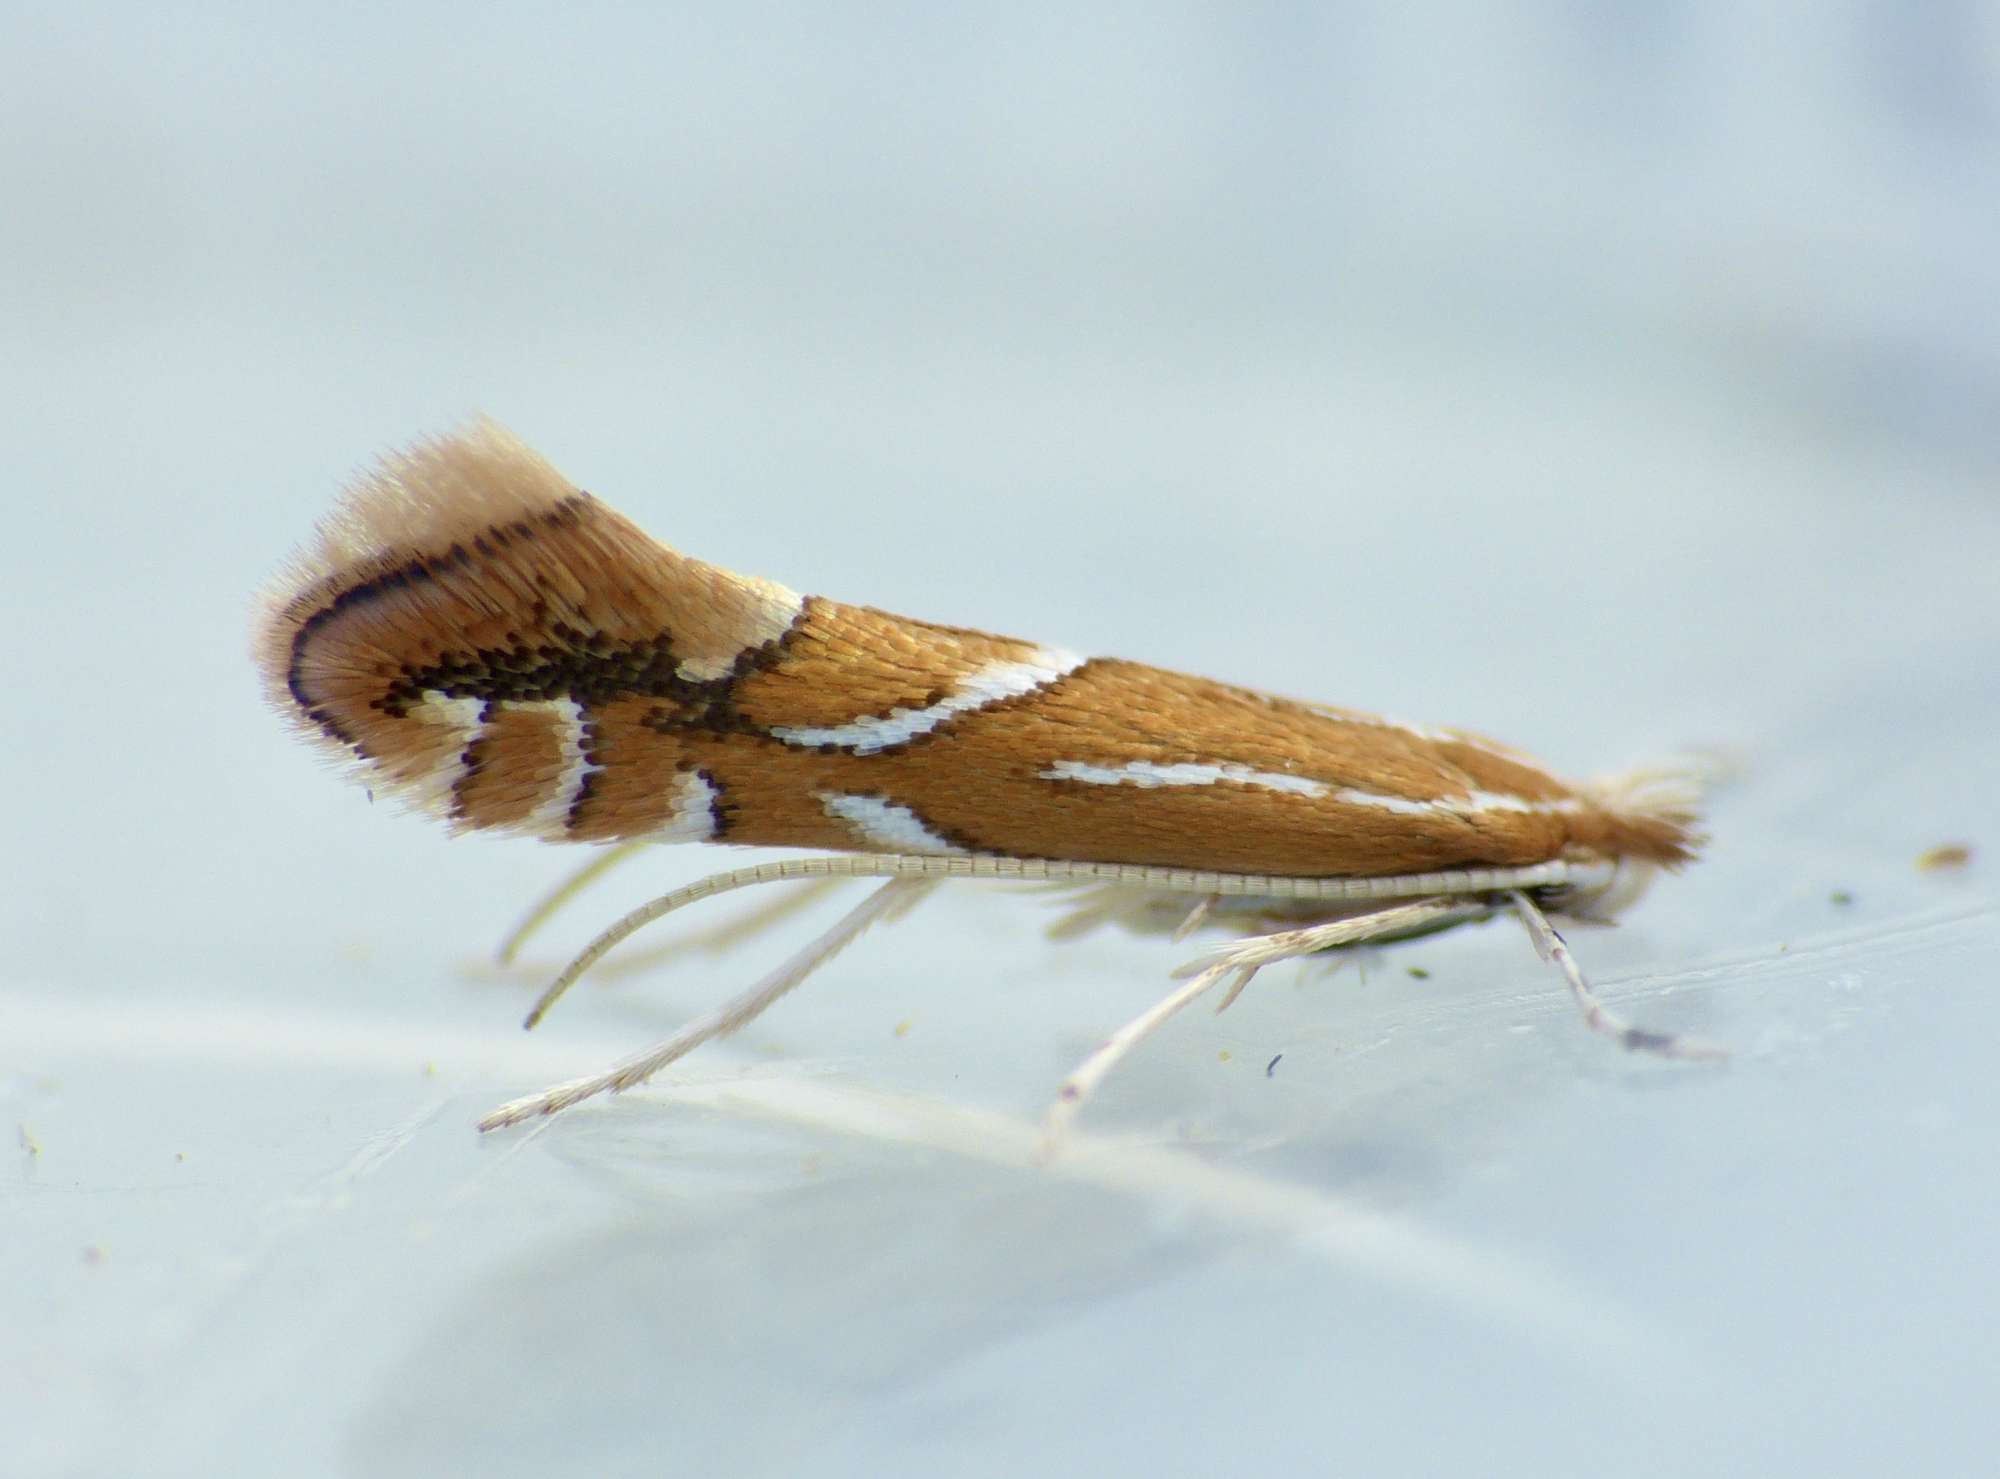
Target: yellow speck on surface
{"points": [[903, 1027], [1223, 1056], [27, 1137], [1944, 856]]}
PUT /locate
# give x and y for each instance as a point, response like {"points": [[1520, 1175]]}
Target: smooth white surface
{"points": [[1606, 382]]}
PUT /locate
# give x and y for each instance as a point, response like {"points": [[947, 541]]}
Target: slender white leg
{"points": [[1551, 946], [1243, 978], [1240, 959], [1352, 929], [1195, 916], [887, 902], [1088, 1074], [1087, 910]]}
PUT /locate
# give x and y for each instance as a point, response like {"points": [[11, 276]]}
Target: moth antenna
{"points": [[727, 934], [1587, 877], [893, 866]]}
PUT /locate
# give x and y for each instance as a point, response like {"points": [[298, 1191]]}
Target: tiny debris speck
{"points": [[1944, 857]]}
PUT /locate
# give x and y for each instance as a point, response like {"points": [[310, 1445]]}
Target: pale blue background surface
{"points": [[1606, 378]]}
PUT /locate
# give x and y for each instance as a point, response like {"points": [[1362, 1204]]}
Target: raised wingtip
{"points": [[414, 501], [393, 522], [438, 490], [422, 498], [478, 639]]}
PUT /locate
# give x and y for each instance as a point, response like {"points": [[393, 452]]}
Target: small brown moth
{"points": [[474, 636]]}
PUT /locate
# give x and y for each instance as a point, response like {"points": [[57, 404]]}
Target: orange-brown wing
{"points": [[484, 641]]}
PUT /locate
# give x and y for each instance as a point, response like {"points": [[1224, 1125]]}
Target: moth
{"points": [[473, 636]]}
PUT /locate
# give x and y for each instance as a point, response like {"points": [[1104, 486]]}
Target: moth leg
{"points": [[713, 941], [1239, 961], [1191, 921], [1136, 909], [1244, 976], [890, 901], [1420, 916], [1550, 945], [545, 907], [1087, 1075], [1089, 909]]}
